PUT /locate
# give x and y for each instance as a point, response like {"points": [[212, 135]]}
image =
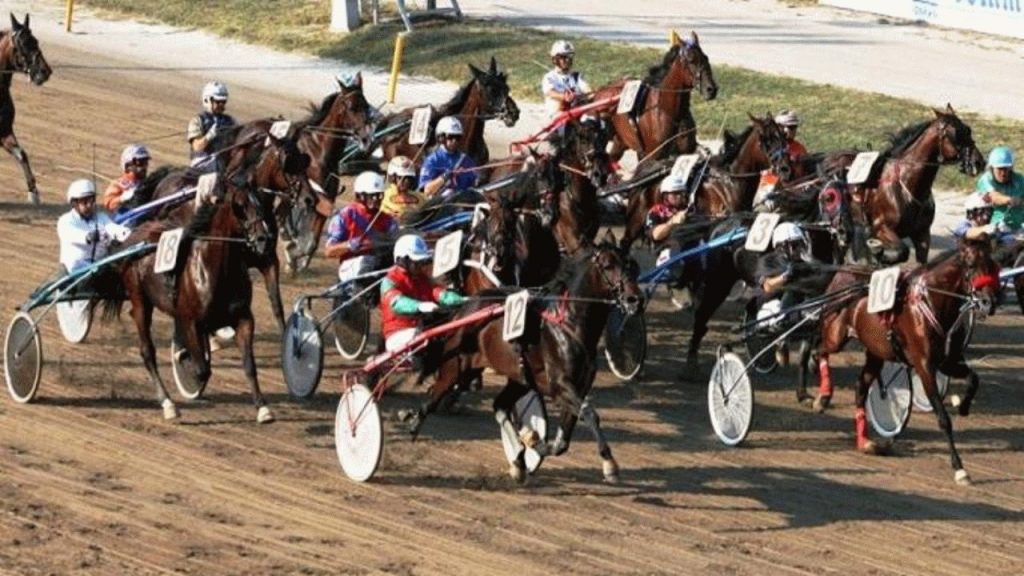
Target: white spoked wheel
{"points": [[302, 355], [358, 433], [351, 328], [23, 358], [75, 319], [889, 399], [625, 343], [183, 368], [531, 414], [920, 399], [730, 399]]}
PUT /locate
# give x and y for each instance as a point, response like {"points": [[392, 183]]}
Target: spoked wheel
{"points": [[755, 341], [920, 399], [625, 343], [184, 369], [730, 399], [530, 413], [23, 358], [358, 433], [351, 327], [889, 399], [75, 319], [302, 355]]}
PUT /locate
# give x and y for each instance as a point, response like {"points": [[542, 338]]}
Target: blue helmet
{"points": [[1000, 157]]}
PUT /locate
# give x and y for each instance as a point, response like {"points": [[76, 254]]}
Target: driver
{"points": [[206, 130], [1003, 188], [354, 229], [135, 163], [789, 122], [447, 169], [408, 291], [561, 86], [85, 234]]}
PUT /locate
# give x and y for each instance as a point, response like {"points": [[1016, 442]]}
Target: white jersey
{"points": [[72, 231], [559, 82]]}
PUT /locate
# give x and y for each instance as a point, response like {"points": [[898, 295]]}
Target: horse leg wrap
{"points": [[824, 377], [860, 424]]}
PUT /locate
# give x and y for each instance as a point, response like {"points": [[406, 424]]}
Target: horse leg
{"points": [[715, 292], [10, 143], [244, 329], [870, 372], [922, 244], [142, 314], [963, 404], [926, 372], [271, 271], [801, 384], [609, 466], [505, 415]]}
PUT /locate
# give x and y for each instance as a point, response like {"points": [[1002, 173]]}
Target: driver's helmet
{"points": [[787, 118], [133, 152], [1001, 157], [369, 184], [449, 125], [401, 166], [413, 247], [82, 188], [562, 48], [349, 80], [214, 91], [672, 183], [788, 236], [977, 205]]}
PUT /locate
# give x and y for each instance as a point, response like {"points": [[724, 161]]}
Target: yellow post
{"points": [[68, 11], [396, 66], [674, 39]]}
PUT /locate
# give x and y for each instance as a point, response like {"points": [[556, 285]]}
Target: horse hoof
{"points": [[962, 478], [870, 448], [264, 416], [517, 473], [610, 468], [33, 197], [955, 400], [170, 410], [529, 437], [821, 403]]}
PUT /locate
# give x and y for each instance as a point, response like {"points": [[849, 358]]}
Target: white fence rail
{"points": [[1001, 17]]}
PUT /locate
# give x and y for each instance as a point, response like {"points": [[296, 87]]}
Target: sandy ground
{"points": [[93, 481]]}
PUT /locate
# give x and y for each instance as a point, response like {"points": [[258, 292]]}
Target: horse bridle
{"points": [[626, 303], [963, 150], [21, 62], [503, 113]]}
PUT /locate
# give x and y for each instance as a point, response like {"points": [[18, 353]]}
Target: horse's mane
{"points": [[899, 141], [318, 114], [655, 74], [453, 105], [728, 154]]}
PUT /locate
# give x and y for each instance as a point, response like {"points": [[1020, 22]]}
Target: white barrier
{"points": [[1002, 17]]}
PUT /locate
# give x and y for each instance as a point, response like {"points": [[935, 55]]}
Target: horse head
{"points": [[834, 212], [350, 114], [981, 273], [696, 62], [583, 143], [249, 220], [616, 275], [26, 54], [774, 145], [493, 86], [956, 142]]}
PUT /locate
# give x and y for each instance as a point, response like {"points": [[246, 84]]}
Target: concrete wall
{"points": [[1000, 17]]}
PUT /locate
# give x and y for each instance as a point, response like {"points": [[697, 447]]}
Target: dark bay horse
{"points": [[929, 301], [212, 290], [896, 202], [19, 52], [557, 355], [662, 112], [484, 97]]}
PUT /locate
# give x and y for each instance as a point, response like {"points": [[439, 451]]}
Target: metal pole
{"points": [[396, 66], [69, 10]]}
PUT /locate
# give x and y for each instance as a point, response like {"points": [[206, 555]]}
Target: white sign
{"points": [[860, 169], [1004, 17], [760, 234], [447, 253], [279, 130], [627, 98], [167, 250], [420, 128], [684, 165], [882, 290], [663, 257], [515, 315]]}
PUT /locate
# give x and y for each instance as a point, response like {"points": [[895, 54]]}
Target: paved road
{"points": [[972, 71]]}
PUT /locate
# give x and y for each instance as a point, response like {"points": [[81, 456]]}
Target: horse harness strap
{"points": [[919, 299]]}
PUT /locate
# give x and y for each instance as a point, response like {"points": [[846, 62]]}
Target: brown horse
{"points": [[212, 291], [19, 52], [484, 97], [662, 113], [557, 355], [896, 202], [929, 301]]}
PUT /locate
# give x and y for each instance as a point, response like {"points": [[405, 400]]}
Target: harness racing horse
{"points": [[557, 355], [19, 52], [897, 200], [661, 122], [484, 97], [213, 289], [929, 301]]}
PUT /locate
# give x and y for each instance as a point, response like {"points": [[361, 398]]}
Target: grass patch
{"points": [[833, 117]]}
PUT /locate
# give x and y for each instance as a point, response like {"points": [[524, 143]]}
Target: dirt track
{"points": [[93, 481]]}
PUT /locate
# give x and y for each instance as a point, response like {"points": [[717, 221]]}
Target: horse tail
{"points": [[112, 308]]}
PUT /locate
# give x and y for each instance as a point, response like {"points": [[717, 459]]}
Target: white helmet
{"points": [[401, 166], [369, 183], [412, 247], [786, 232], [787, 118], [976, 202], [562, 48], [449, 125], [81, 189], [349, 80], [214, 91], [673, 183], [133, 152]]}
